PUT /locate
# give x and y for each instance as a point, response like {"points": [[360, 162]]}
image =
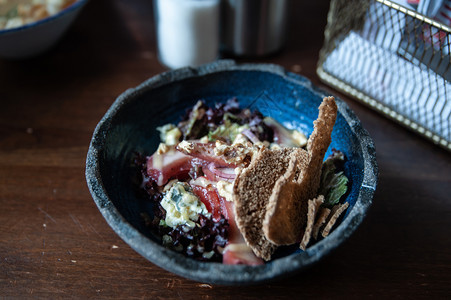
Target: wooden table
{"points": [[54, 243]]}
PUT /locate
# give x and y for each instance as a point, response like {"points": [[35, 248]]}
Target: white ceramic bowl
{"points": [[34, 38]]}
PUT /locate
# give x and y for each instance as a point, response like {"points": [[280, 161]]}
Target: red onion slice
{"points": [[224, 173], [250, 135]]}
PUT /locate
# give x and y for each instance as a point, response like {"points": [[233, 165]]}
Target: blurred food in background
{"points": [[30, 27], [16, 13]]}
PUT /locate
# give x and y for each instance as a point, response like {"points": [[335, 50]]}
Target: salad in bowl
{"points": [[232, 185]]}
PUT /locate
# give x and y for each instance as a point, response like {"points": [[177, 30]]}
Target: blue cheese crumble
{"points": [[182, 206]]}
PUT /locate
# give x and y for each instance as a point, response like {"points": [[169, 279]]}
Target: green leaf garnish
{"points": [[334, 184], [12, 13], [227, 131]]}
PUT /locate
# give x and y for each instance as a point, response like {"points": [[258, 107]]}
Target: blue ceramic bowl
{"points": [[129, 126], [34, 38]]}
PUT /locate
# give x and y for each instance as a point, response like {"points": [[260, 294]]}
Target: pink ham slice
{"points": [[173, 164], [205, 151]]}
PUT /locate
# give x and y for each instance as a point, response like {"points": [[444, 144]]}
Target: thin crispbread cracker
{"points": [[274, 189], [313, 207], [336, 212], [251, 192], [317, 145], [278, 225], [288, 201], [321, 218]]}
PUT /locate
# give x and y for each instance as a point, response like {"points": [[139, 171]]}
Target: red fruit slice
{"points": [[213, 202]]}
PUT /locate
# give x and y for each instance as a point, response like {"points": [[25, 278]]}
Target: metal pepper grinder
{"points": [[253, 27]]}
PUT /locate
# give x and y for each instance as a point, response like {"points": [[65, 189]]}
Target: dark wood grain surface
{"points": [[54, 243]]}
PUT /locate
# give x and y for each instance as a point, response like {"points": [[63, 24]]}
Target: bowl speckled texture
{"points": [[129, 126], [33, 39]]}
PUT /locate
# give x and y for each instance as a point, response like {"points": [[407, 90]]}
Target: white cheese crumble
{"points": [[170, 134], [186, 146], [225, 189], [202, 181], [204, 139], [299, 138], [163, 148], [240, 139], [234, 154]]}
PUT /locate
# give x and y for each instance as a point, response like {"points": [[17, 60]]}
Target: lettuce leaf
{"points": [[334, 183], [194, 124], [227, 131]]}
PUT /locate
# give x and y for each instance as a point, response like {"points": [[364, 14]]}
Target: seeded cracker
{"points": [[288, 202], [278, 225], [251, 192], [321, 218], [313, 207], [272, 194], [319, 141], [336, 212]]}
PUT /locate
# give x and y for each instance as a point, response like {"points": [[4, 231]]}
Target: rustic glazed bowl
{"points": [[129, 127]]}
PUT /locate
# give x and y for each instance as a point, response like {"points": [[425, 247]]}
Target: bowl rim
{"points": [[218, 273], [73, 7]]}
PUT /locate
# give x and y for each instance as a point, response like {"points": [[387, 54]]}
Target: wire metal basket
{"points": [[393, 59]]}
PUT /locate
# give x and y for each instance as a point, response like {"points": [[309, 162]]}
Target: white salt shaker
{"points": [[187, 31]]}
